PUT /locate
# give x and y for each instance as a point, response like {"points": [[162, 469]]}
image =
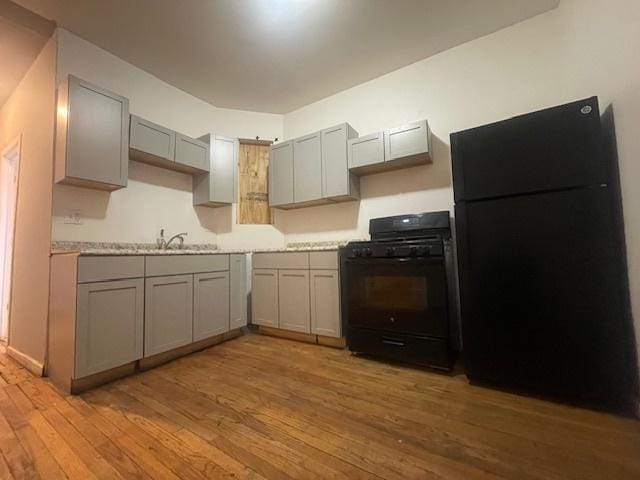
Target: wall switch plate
{"points": [[73, 217]]}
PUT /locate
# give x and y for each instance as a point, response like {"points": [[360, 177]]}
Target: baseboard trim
{"points": [[303, 337], [26, 361]]}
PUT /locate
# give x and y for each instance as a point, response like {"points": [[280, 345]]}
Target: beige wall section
{"points": [[30, 112], [155, 198], [580, 49]]}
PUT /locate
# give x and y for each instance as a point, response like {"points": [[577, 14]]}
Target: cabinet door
{"points": [[96, 140], [325, 303], [264, 297], [281, 174], [307, 168], [168, 313], [238, 291], [366, 151], [336, 181], [407, 141], [210, 304], [191, 153], [109, 328], [152, 139], [223, 165], [293, 299]]}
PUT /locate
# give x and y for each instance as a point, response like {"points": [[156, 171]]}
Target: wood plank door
{"points": [[253, 203]]}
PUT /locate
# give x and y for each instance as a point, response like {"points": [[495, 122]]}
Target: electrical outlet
{"points": [[73, 217]]}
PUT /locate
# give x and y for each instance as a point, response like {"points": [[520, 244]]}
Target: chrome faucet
{"points": [[164, 244]]}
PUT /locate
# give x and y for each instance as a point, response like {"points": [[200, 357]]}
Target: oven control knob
{"points": [[368, 252], [357, 252], [390, 251], [413, 251]]}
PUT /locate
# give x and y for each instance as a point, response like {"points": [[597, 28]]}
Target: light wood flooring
{"points": [[261, 407]]}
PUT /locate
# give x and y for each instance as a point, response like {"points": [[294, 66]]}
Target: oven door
{"points": [[404, 295]]}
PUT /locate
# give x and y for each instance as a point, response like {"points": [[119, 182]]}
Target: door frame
{"points": [[12, 152]]}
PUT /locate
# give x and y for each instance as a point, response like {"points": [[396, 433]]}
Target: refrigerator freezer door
{"points": [[543, 297], [551, 149]]}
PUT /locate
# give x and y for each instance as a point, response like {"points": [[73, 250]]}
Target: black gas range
{"points": [[398, 290]]}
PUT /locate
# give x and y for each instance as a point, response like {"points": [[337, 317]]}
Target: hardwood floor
{"points": [[260, 407]]}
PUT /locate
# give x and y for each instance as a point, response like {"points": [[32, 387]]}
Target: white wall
{"points": [[583, 48], [29, 113], [155, 197]]}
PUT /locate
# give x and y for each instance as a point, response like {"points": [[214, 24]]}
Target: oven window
{"points": [[399, 293]]}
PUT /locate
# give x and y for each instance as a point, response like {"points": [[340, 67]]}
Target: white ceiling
{"points": [[278, 55], [22, 36]]}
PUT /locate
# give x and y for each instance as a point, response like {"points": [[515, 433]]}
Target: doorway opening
{"points": [[9, 167]]}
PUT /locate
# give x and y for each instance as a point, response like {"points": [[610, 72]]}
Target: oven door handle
{"points": [[404, 260], [391, 341]]}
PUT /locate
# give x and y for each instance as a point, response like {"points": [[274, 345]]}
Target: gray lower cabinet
{"points": [[307, 168], [237, 291], [325, 303], [109, 325], [192, 155], [264, 297], [281, 174], [92, 136], [297, 291], [210, 304], [217, 188], [337, 182], [168, 313], [293, 299]]}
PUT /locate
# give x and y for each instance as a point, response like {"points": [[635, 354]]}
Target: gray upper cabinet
{"points": [[293, 297], [92, 136], [192, 155], [151, 143], [217, 188], [400, 147], [307, 168], [409, 142], [365, 153], [325, 303], [264, 297], [337, 182], [168, 313], [281, 174], [109, 325], [238, 291], [210, 304]]}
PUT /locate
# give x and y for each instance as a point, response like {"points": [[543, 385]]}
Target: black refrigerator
{"points": [[543, 285]]}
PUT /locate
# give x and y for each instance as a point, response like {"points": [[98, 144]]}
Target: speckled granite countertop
{"points": [[113, 248]]}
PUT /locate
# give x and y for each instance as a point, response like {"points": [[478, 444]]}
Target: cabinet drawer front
{"points": [[293, 300], [160, 265], [289, 260], [210, 304], [323, 260], [99, 269], [151, 138], [407, 140], [109, 325], [192, 153], [168, 316], [264, 297], [367, 150]]}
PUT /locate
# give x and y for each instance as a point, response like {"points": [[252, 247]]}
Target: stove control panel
{"points": [[395, 250]]}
